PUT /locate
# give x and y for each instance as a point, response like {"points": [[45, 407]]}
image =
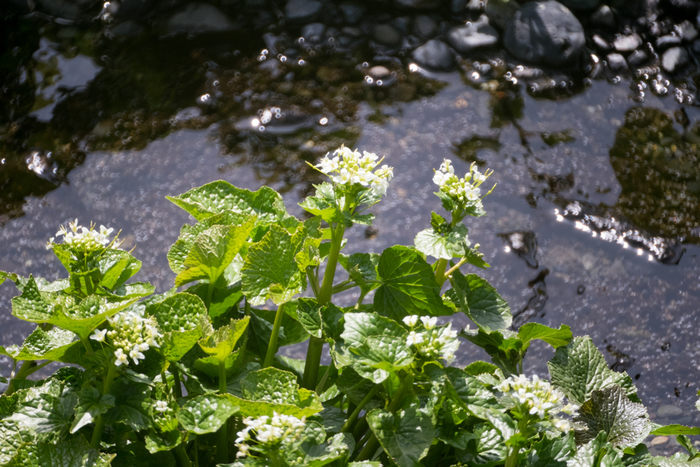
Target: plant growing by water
{"points": [[195, 376]]}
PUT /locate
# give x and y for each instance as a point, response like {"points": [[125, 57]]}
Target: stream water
{"points": [[594, 221]]}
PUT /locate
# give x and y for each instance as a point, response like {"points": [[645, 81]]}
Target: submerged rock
{"points": [[302, 10], [434, 54], [545, 33], [199, 18], [473, 36], [617, 62], [418, 4], [627, 43], [604, 17], [425, 27], [674, 59], [387, 35]]}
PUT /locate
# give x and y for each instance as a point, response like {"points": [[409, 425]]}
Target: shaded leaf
{"points": [[405, 436], [476, 298], [206, 413]]}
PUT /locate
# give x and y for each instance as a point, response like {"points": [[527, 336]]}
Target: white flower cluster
{"points": [[272, 432], [350, 167], [131, 334], [463, 190], [430, 341], [538, 397], [84, 239]]}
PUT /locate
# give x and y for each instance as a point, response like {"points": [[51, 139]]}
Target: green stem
{"points": [[324, 379], [24, 371], [176, 383], [210, 293], [100, 422], [454, 268], [360, 299], [360, 428], [86, 344], [313, 354], [196, 452], [313, 280], [358, 409], [272, 346], [222, 434], [440, 271], [182, 455]]}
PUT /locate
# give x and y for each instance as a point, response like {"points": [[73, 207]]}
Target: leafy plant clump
{"points": [[194, 376]]}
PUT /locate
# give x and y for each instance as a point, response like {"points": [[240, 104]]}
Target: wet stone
{"points": [[545, 33], [604, 17], [435, 55], [425, 27], [617, 62], [302, 10], [668, 410], [313, 32], [601, 43], [418, 4], [674, 59], [473, 36], [686, 31], [627, 43], [636, 58], [386, 35], [126, 30], [402, 24], [669, 40], [353, 12], [379, 72], [199, 18]]}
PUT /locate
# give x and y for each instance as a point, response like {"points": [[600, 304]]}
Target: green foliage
{"points": [[193, 377]]}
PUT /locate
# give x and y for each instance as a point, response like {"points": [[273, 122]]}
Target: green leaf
{"points": [[270, 270], [476, 298], [12, 439], [309, 316], [579, 368], [388, 354], [356, 388], [554, 337], [675, 461], [181, 318], [405, 436], [90, 313], [323, 204], [637, 457], [408, 285], [206, 413], [360, 326], [116, 267], [609, 410], [222, 342], [337, 447], [505, 350], [596, 453], [551, 452], [213, 251], [333, 419], [362, 269], [669, 430], [130, 405], [167, 437], [487, 449], [220, 196], [56, 345], [46, 412], [30, 305], [75, 452], [479, 368], [90, 405], [443, 244]]}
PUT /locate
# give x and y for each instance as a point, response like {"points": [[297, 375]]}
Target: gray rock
{"points": [[664, 42], [674, 59], [616, 62], [418, 4], [581, 5], [500, 13], [198, 18], [696, 46], [387, 35], [601, 43], [313, 32], [686, 31], [67, 9], [636, 58], [604, 17], [378, 72], [473, 36], [545, 33], [299, 11], [402, 24], [353, 12], [669, 410], [627, 43], [425, 27], [434, 54], [126, 30], [459, 6]]}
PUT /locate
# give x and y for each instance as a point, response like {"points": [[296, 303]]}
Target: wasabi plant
{"points": [[198, 375]]}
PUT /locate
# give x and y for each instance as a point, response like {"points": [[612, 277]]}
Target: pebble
{"points": [[627, 43], [313, 32], [659, 440], [473, 36], [601, 43], [379, 72], [669, 40], [668, 410], [636, 58], [435, 55], [616, 62], [387, 35], [353, 12], [302, 10], [425, 27], [418, 4], [604, 17], [199, 18], [674, 59], [686, 31]]}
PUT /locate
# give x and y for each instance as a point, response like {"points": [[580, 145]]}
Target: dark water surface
{"points": [[594, 223]]}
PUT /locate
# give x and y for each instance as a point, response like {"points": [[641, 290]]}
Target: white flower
{"points": [[414, 338], [161, 406], [411, 320], [348, 167], [136, 355], [429, 322], [83, 240], [536, 396], [464, 191], [99, 335], [277, 433], [122, 358]]}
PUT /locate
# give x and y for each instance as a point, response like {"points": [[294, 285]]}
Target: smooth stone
{"points": [[696, 46], [302, 10], [418, 4], [617, 62], [379, 72], [460, 6], [686, 31], [545, 33], [386, 35], [199, 18], [581, 5], [353, 12], [313, 32], [126, 30], [636, 58], [425, 27], [473, 36], [604, 17], [64, 9], [674, 59], [354, 33], [402, 24], [669, 410], [627, 43], [434, 54], [601, 43], [664, 42], [500, 13], [272, 66]]}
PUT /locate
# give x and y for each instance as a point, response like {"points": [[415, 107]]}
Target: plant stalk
{"points": [[24, 371], [182, 455], [210, 293], [440, 271], [86, 344], [100, 422], [176, 383], [272, 346], [353, 416], [454, 268], [222, 434]]}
